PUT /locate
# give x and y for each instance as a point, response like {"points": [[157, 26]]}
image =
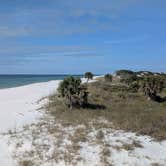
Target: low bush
{"points": [[73, 92], [108, 78]]}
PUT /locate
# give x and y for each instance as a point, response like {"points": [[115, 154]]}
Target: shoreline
{"points": [[22, 100], [18, 108], [28, 84], [21, 83]]}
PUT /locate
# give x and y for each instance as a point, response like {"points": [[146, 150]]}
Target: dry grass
{"points": [[25, 163], [115, 103], [79, 135], [155, 164], [131, 146], [111, 106], [132, 112]]}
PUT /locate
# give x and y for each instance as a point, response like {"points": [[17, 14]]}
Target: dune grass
{"points": [[67, 133], [118, 105]]}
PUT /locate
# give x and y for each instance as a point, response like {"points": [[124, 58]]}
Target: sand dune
{"points": [[17, 108]]}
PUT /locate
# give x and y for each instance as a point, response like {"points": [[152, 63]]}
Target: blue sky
{"points": [[74, 36]]}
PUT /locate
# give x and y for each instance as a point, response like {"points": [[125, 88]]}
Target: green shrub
{"points": [[134, 86], [124, 72], [74, 93], [151, 86], [129, 79], [108, 78]]}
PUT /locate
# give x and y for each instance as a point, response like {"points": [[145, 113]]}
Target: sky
{"points": [[75, 36]]}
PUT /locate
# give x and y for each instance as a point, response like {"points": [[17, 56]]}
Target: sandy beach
{"points": [[82, 83], [18, 107]]}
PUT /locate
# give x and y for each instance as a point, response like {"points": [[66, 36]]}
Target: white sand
{"points": [[17, 107]]}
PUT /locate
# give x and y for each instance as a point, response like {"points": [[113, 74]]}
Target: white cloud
{"points": [[60, 17]]}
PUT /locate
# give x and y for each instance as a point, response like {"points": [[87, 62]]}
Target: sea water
{"points": [[10, 81]]}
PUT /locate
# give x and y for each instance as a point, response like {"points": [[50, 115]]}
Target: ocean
{"points": [[10, 81]]}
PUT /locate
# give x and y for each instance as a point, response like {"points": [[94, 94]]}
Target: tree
{"points": [[74, 93], [88, 75], [108, 78], [151, 86]]}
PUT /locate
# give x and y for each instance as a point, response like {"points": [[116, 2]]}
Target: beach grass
{"points": [[111, 125], [116, 104]]}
